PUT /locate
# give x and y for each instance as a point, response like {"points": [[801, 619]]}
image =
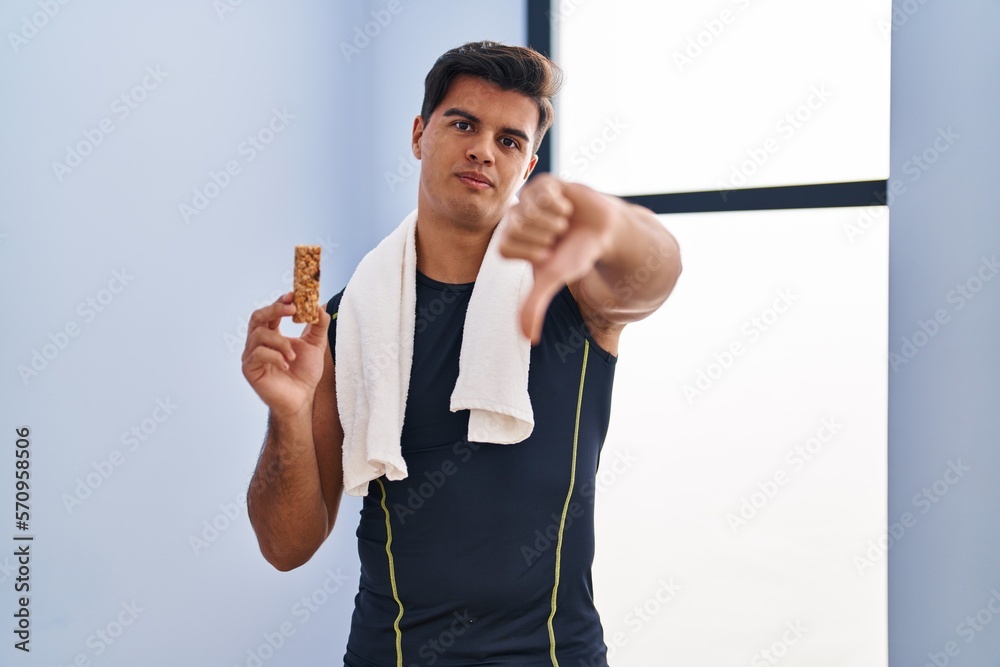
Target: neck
{"points": [[449, 252]]}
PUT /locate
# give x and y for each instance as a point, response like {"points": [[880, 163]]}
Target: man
{"points": [[483, 553]]}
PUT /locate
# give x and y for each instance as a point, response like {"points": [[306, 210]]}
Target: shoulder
{"points": [[333, 305], [332, 308]]}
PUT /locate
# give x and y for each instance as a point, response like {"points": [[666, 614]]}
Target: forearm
{"points": [[285, 498], [640, 267]]}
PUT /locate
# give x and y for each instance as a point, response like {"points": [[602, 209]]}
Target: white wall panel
{"points": [[690, 96], [745, 464]]}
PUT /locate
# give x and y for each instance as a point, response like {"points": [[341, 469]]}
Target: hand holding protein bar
{"points": [[284, 370]]}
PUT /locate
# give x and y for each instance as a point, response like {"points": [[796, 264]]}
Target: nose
{"points": [[480, 150]]}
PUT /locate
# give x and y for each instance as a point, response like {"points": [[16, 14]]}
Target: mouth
{"points": [[475, 180]]}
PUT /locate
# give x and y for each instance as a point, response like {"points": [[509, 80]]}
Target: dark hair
{"points": [[516, 68]]}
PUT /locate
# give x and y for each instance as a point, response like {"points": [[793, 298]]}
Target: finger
{"points": [[533, 252], [285, 305], [271, 315], [265, 356], [269, 338], [543, 228], [548, 198]]}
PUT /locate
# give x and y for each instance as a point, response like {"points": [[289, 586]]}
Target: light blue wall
{"points": [[172, 328], [944, 403]]}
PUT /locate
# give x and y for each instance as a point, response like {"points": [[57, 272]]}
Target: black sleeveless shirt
{"points": [[483, 554]]}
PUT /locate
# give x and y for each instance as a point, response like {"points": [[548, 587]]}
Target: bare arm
{"points": [[638, 269], [295, 491], [329, 439]]}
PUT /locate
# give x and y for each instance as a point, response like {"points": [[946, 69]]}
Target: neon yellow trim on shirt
{"points": [[562, 520], [392, 579]]}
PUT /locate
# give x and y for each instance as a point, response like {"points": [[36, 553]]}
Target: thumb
{"points": [[316, 333], [535, 306]]}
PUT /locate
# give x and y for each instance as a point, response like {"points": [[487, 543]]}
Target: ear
{"points": [[531, 166], [418, 132]]}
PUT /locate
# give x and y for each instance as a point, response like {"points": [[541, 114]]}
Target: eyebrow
{"points": [[454, 111]]}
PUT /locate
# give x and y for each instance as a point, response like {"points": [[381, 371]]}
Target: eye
{"points": [[460, 123], [512, 144]]}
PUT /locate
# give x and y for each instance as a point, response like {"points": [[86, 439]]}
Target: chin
{"points": [[475, 211]]}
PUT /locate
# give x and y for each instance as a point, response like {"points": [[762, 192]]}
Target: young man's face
{"points": [[475, 151]]}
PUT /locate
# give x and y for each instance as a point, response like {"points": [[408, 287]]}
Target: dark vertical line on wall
{"points": [[540, 39]]}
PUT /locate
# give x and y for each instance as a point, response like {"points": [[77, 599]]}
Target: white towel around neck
{"points": [[374, 353]]}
